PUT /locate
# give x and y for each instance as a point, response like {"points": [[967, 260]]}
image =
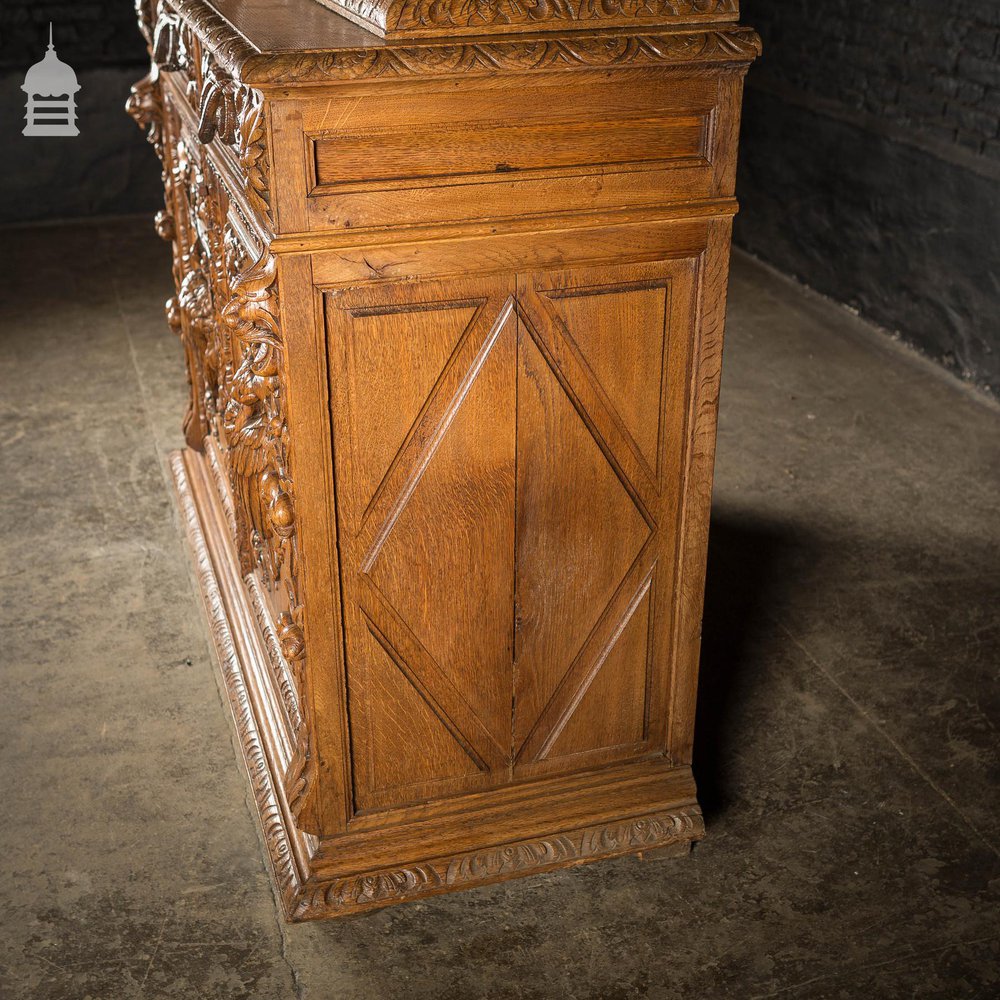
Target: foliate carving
{"points": [[256, 437], [145, 107], [254, 420], [738, 45], [234, 115], [478, 867], [252, 150], [491, 13]]}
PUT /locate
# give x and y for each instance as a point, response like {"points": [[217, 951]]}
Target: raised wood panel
{"points": [[427, 336], [427, 526], [399, 720], [597, 322], [503, 522], [406, 159], [602, 410], [427, 106], [611, 712], [578, 533]]}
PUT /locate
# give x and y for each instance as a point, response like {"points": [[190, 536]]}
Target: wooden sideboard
{"points": [[450, 281]]}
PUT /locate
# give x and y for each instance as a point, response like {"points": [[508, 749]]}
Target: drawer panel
{"points": [[393, 159], [403, 154]]}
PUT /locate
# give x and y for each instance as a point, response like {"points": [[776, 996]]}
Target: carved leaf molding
{"points": [[234, 114], [738, 45], [484, 13], [398, 884]]}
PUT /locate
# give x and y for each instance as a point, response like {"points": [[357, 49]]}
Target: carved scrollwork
{"points": [[217, 114], [167, 48]]}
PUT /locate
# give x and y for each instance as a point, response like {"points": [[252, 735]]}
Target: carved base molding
{"points": [[640, 808]]}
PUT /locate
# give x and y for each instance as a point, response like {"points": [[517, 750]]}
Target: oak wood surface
{"points": [[452, 308]]}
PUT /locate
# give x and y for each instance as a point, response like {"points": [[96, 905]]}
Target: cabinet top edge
{"points": [[273, 43]]}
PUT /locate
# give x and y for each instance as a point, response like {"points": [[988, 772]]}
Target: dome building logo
{"points": [[51, 86]]}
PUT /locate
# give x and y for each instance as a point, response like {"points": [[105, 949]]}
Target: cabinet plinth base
{"points": [[466, 841]]}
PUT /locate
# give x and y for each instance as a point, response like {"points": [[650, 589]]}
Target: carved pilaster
{"points": [[257, 444]]}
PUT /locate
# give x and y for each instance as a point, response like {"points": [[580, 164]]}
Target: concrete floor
{"points": [[847, 746]]}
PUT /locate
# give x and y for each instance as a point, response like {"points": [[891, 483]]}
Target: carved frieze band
{"points": [[522, 55], [235, 59], [398, 16], [394, 885]]}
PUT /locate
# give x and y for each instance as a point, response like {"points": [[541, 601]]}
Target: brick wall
{"points": [[88, 34], [108, 169], [870, 164], [929, 67]]}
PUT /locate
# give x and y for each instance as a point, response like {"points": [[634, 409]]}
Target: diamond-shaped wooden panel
{"points": [[579, 532], [446, 564], [424, 386]]}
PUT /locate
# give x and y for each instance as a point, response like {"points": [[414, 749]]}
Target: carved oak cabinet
{"points": [[450, 281]]}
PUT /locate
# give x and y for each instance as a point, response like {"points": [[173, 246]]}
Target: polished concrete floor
{"points": [[847, 748]]}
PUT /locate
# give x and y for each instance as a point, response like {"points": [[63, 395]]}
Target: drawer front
{"points": [[430, 157]]}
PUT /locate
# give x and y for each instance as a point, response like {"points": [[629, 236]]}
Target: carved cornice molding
{"points": [[393, 885], [414, 18], [733, 45]]}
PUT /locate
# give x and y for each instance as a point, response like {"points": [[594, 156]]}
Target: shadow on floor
{"points": [[750, 567]]}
